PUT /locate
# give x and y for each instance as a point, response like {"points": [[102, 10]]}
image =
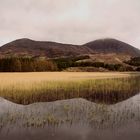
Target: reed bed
{"points": [[27, 92], [71, 113]]}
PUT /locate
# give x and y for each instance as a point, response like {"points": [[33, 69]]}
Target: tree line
{"points": [[135, 61], [16, 64], [27, 64], [63, 63]]}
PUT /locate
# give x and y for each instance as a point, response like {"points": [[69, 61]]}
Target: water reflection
{"points": [[70, 119], [106, 91], [111, 97]]}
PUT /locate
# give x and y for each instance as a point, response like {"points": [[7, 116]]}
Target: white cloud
{"points": [[70, 21]]}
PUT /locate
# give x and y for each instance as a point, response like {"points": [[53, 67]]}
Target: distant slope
{"points": [[27, 47], [107, 46]]}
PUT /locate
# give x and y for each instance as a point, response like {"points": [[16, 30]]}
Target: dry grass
{"points": [[27, 88], [8, 78]]}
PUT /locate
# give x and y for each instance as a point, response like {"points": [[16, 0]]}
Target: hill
{"points": [[107, 46], [99, 55], [27, 47]]}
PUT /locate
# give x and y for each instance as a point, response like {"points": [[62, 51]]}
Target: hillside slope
{"points": [[107, 46], [27, 47]]}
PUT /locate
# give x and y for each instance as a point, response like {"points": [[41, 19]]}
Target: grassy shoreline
{"points": [[37, 76], [26, 88]]}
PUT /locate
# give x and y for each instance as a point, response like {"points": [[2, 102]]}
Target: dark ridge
{"points": [[113, 46], [28, 47]]}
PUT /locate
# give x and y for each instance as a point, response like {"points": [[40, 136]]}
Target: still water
{"points": [[71, 119]]}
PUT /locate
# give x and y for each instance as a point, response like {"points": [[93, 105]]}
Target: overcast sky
{"points": [[70, 21]]}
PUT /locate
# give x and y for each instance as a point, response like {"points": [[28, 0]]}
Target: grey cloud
{"points": [[70, 21]]}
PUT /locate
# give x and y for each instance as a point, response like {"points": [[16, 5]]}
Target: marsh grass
{"points": [[80, 112], [99, 90]]}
